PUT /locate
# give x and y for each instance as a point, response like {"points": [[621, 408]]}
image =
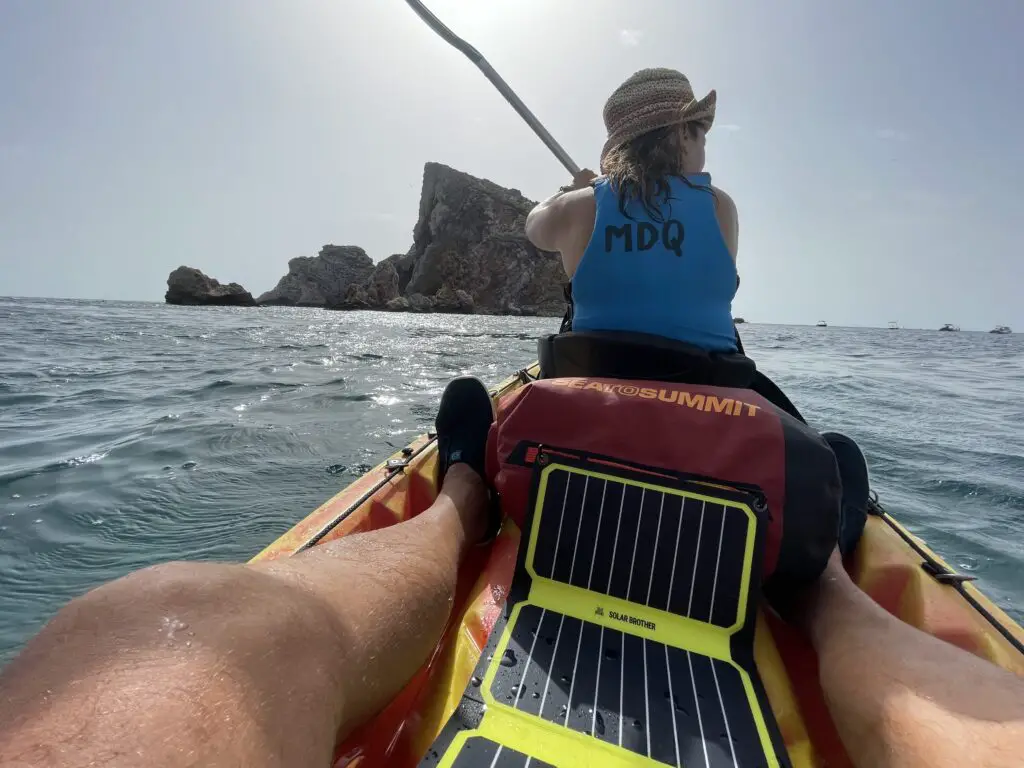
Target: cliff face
{"points": [[469, 254], [187, 285], [322, 280]]}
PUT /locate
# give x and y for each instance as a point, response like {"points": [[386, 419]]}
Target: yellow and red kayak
{"points": [[890, 564]]}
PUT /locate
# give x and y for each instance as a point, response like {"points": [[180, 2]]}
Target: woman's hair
{"points": [[640, 169]]}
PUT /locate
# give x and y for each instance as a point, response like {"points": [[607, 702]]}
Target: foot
{"points": [[853, 472], [463, 423]]}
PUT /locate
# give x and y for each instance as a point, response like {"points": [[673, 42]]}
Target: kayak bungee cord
{"points": [[395, 467], [482, 64], [392, 469], [942, 573]]}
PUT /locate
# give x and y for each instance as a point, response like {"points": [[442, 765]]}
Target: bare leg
{"points": [[205, 664], [900, 697]]}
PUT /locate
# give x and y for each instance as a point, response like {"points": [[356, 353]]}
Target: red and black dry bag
{"points": [[716, 435]]}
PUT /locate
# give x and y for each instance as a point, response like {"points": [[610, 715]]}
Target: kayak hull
{"points": [[887, 565]]}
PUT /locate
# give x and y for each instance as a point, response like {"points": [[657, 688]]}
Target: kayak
{"points": [[756, 676]]}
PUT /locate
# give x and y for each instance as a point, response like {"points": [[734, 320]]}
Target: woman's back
{"points": [[666, 272], [650, 247]]}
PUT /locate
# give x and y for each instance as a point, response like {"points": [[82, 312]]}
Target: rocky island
{"points": [[187, 285], [469, 255], [322, 280]]}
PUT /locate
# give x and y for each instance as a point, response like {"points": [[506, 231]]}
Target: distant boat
{"points": [[893, 325], [950, 327], [739, 320], [822, 324], [1001, 329]]}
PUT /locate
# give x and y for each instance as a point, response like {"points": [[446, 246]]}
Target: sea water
{"points": [[132, 434]]}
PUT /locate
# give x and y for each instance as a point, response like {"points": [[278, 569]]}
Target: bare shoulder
{"points": [[728, 219], [581, 213], [580, 203], [723, 201], [553, 224]]}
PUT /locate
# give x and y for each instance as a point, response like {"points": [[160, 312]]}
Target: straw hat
{"points": [[652, 99]]}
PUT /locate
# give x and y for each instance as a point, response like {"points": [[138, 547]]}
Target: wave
{"points": [[302, 346], [247, 387], [129, 453], [23, 398], [10, 478]]}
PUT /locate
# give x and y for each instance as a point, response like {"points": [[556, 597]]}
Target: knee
{"points": [[174, 581], [177, 580], [167, 589], [216, 605]]}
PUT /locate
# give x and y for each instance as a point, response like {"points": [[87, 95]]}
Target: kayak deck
{"points": [[627, 633], [887, 565]]}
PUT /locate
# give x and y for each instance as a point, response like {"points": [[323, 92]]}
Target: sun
{"points": [[478, 21]]}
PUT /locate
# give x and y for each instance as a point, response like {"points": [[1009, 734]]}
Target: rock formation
{"points": [[469, 254], [382, 286], [455, 301], [187, 285], [322, 280]]}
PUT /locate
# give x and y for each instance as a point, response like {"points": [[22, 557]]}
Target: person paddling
{"points": [[650, 245]]}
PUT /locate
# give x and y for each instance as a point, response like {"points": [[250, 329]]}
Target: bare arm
{"points": [[564, 222], [546, 224], [550, 225], [728, 220]]}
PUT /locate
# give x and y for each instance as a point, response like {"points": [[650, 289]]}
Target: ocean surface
{"points": [[137, 433]]}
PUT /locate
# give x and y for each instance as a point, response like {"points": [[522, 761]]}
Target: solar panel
{"points": [[628, 636]]}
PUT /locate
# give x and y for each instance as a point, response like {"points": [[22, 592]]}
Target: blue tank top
{"points": [[673, 278]]}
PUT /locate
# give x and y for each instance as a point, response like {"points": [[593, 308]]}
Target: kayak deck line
{"points": [[327, 521], [392, 468], [944, 574]]}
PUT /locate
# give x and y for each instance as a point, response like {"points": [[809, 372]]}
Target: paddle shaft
{"points": [[477, 58]]}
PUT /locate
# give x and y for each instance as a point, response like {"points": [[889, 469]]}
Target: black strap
{"points": [[739, 341], [567, 319], [767, 389]]}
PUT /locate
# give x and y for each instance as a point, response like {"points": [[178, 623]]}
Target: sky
{"points": [[875, 150]]}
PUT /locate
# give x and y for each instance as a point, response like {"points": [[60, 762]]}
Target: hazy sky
{"points": [[875, 149]]}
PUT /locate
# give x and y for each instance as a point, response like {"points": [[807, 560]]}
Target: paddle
{"points": [[482, 64], [477, 58]]}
